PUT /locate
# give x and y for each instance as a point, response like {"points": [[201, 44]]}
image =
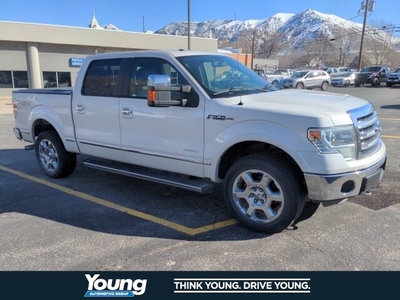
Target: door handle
{"points": [[80, 109], [127, 113]]}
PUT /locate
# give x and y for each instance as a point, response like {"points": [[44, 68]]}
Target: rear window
{"points": [[101, 78]]}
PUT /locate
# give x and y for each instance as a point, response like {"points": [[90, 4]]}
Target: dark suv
{"points": [[373, 75]]}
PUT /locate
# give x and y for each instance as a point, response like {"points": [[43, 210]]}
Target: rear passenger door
{"points": [[96, 110]]}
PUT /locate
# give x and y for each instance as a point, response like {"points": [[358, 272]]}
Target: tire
{"points": [[300, 86], [263, 193], [347, 83], [275, 84], [54, 160], [375, 82], [356, 84], [324, 86], [388, 84]]}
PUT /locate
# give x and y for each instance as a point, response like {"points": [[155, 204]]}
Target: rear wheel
{"points": [[263, 193], [275, 84], [53, 159]]}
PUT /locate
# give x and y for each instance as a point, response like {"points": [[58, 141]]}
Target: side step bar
{"points": [[195, 185]]}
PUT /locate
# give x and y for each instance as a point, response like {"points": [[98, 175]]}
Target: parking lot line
{"points": [[391, 136], [390, 119], [148, 217]]}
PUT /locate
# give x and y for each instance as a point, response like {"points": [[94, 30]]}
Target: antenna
{"points": [[144, 28]]}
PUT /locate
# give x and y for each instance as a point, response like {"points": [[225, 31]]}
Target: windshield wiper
{"points": [[239, 89]]}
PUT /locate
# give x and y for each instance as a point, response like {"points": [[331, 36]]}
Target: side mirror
{"points": [[160, 89]]}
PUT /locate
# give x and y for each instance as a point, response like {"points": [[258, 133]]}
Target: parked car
{"points": [[373, 75], [277, 77], [345, 79], [393, 78], [343, 70], [332, 71], [308, 79]]}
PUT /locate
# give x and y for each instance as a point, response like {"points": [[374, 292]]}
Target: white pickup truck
{"points": [[194, 120], [277, 76]]}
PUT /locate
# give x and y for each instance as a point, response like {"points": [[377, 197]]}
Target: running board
{"points": [[180, 181]]}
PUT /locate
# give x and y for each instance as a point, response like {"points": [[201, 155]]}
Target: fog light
{"points": [[348, 187]]}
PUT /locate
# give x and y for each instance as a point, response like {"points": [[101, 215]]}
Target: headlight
{"points": [[335, 140]]}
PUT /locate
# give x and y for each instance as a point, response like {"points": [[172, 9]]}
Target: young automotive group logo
{"points": [[99, 287]]}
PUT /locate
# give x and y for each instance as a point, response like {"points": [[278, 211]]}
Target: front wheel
{"points": [[263, 193], [300, 86], [53, 159], [324, 86]]}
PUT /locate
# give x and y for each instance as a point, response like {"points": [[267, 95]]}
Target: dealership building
{"points": [[44, 56]]}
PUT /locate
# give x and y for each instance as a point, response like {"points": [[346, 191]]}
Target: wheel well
{"points": [[40, 126], [250, 147]]}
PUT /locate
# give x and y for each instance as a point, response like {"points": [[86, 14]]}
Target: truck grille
{"points": [[368, 129]]}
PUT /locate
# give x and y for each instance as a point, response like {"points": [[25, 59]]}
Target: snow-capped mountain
{"points": [[295, 30], [222, 29]]}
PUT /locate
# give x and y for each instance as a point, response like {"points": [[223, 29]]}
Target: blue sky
{"points": [[128, 15]]}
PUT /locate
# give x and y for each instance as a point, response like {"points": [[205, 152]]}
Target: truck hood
{"points": [[325, 109]]}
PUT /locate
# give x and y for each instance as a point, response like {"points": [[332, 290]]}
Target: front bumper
{"points": [[346, 185]]}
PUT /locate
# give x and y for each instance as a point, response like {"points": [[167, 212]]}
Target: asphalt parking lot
{"points": [[106, 222]]}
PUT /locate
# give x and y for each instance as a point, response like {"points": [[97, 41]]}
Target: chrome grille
{"points": [[368, 129]]}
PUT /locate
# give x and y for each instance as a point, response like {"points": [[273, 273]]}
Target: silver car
{"points": [[345, 79], [309, 79]]}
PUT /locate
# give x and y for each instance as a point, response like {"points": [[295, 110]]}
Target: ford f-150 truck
{"points": [[195, 120]]}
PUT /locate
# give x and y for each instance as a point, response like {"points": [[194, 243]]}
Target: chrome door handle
{"points": [[80, 109], [126, 111]]}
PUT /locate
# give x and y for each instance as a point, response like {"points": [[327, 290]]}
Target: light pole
{"points": [[367, 6], [252, 48], [188, 13]]}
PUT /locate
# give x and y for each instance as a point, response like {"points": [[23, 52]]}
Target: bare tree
{"points": [[381, 48], [270, 46]]}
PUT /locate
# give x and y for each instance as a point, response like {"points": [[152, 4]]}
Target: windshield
{"points": [[371, 69], [348, 74], [223, 76]]}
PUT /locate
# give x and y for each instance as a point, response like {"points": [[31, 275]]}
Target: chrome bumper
{"points": [[342, 186]]}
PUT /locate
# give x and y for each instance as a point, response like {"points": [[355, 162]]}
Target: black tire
{"points": [[263, 193], [357, 84], [324, 86], [300, 86], [375, 81], [54, 160], [347, 83], [388, 84]]}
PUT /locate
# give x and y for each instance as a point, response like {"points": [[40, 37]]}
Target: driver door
{"points": [[167, 138]]}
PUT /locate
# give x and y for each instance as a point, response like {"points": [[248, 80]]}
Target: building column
{"points": [[35, 81]]}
